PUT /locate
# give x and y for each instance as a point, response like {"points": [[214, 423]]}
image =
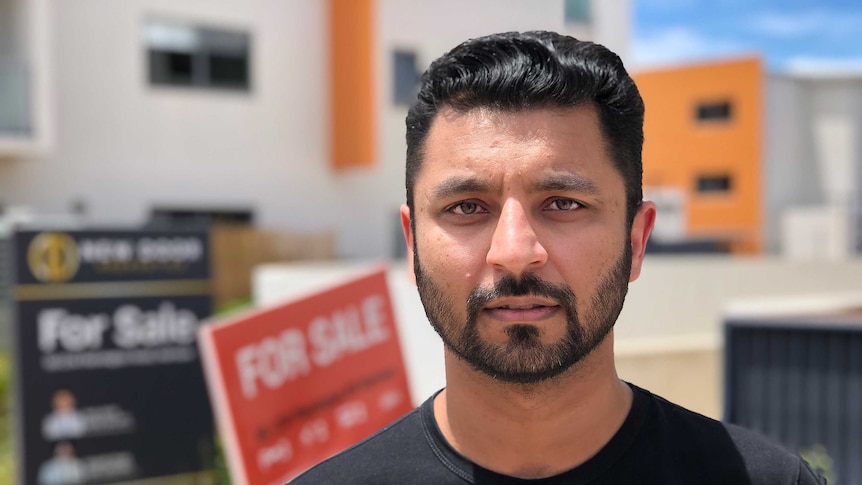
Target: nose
{"points": [[515, 246]]}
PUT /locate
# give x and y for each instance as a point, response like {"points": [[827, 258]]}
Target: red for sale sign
{"points": [[294, 384]]}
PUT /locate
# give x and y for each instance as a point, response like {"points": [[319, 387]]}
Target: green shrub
{"points": [[7, 463]]}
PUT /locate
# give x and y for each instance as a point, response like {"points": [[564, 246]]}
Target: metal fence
{"points": [[799, 382]]}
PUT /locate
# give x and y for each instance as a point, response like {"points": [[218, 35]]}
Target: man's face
{"points": [[521, 250], [64, 401]]}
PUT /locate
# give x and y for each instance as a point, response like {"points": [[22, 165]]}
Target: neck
{"points": [[533, 430]]}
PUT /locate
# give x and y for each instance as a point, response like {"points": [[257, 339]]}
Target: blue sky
{"points": [[789, 34]]}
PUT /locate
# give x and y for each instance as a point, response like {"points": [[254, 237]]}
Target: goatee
{"points": [[524, 358]]}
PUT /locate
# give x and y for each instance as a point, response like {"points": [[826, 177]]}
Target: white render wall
{"points": [[813, 152], [788, 155], [612, 21], [836, 126], [122, 146]]}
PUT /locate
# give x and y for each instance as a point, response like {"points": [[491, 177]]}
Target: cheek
{"points": [[469, 278], [584, 258], [455, 264]]}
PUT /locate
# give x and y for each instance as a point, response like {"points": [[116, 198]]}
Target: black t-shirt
{"points": [[659, 443]]}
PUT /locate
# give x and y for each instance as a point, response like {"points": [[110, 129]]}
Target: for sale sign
{"points": [[296, 383], [110, 385]]}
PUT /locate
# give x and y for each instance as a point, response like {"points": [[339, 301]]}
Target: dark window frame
{"points": [[200, 57], [578, 12], [405, 77], [714, 111], [714, 184]]}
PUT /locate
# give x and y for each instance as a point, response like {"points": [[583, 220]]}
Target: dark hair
{"points": [[515, 71]]}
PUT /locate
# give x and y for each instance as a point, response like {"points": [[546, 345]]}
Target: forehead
{"points": [[524, 143], [527, 123]]}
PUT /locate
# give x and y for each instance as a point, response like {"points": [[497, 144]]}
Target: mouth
{"points": [[519, 307], [525, 302], [522, 310]]}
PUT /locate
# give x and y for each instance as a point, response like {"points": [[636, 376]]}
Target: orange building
{"points": [[702, 151]]}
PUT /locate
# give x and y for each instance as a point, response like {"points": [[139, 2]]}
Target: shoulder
{"points": [[721, 446], [364, 461], [768, 462]]}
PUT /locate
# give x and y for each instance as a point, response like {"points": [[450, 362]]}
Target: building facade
{"points": [[292, 110], [813, 164], [703, 152], [742, 160]]}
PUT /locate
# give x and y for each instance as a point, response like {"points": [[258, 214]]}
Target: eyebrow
{"points": [[455, 185], [565, 182], [557, 182]]}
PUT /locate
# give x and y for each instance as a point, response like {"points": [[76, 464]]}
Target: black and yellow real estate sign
{"points": [[110, 387]]}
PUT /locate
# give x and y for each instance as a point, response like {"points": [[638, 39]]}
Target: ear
{"points": [[408, 238], [641, 229]]}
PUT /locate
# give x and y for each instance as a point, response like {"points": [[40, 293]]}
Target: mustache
{"points": [[527, 284]]}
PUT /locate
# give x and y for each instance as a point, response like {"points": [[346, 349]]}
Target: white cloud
{"points": [[680, 44], [780, 25], [827, 67], [801, 23], [679, 5], [665, 4]]}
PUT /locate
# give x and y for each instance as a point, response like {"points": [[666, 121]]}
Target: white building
{"points": [[813, 162], [91, 124]]}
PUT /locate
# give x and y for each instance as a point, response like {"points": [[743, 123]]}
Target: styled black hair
{"points": [[517, 71]]}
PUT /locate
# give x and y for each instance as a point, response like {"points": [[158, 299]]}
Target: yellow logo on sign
{"points": [[53, 257]]}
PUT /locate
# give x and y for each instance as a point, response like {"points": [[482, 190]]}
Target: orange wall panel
{"points": [[353, 134], [678, 147]]}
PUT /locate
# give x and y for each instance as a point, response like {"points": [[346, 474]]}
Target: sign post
{"points": [[298, 382], [110, 386]]}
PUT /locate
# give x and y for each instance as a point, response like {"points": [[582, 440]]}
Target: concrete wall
{"points": [[667, 339], [686, 295], [687, 371]]}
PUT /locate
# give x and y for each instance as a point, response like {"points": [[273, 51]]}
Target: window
{"points": [[405, 80], [183, 55], [719, 111], [577, 11], [713, 184]]}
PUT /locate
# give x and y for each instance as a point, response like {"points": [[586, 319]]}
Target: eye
{"points": [[562, 204], [465, 208]]}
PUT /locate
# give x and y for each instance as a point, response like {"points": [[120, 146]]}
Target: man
{"points": [[64, 422], [525, 224], [64, 468]]}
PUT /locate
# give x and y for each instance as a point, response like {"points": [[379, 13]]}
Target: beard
{"points": [[524, 358]]}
